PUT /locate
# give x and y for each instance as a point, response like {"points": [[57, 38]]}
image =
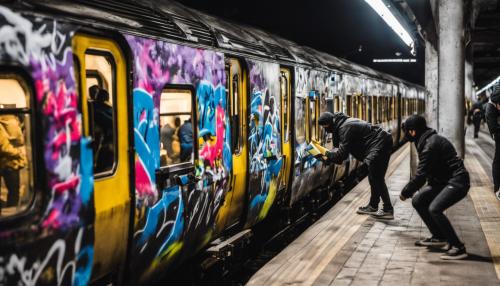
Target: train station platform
{"points": [[343, 248]]}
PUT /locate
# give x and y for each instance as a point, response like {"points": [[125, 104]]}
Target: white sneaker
{"points": [[497, 195]]}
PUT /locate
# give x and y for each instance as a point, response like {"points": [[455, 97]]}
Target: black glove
{"points": [[406, 193]]}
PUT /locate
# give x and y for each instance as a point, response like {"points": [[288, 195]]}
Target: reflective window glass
{"points": [[100, 84], [16, 168], [176, 127]]}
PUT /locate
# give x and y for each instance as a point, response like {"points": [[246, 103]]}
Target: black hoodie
{"points": [[438, 164], [357, 137]]}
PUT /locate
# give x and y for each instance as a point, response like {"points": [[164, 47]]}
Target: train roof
{"points": [[169, 19]]}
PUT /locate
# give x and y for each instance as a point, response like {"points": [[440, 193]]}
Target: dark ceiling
{"points": [[351, 29], [344, 28], [486, 46]]}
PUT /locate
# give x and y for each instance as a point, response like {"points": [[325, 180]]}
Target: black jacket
{"points": [[438, 164], [492, 115], [357, 137], [476, 112]]}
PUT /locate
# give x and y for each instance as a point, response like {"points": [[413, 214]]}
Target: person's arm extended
{"points": [[418, 181], [338, 155]]}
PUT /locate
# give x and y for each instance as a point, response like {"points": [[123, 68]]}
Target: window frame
{"points": [[36, 138], [85, 125], [286, 110], [297, 120], [349, 105], [242, 74], [173, 168]]}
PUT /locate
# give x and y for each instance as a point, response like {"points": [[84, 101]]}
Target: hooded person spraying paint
{"points": [[367, 143], [447, 183]]}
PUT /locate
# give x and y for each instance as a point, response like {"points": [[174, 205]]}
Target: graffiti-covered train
{"points": [[133, 134]]}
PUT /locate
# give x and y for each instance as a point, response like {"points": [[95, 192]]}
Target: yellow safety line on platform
{"points": [[306, 258], [486, 205]]}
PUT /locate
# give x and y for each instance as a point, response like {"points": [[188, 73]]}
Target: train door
{"points": [[285, 90], [102, 76], [236, 86]]}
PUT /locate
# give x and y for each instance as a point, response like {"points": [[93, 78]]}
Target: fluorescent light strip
{"points": [[488, 85], [394, 60], [389, 18]]}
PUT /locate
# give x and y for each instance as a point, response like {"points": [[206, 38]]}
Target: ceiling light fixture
{"points": [[399, 60], [497, 80], [389, 18]]}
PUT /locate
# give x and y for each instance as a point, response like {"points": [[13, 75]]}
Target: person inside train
{"points": [[12, 156], [475, 116], [367, 143], [103, 132], [169, 140], [186, 138], [447, 183], [492, 116], [93, 91]]}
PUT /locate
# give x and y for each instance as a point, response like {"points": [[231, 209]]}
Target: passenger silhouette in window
{"points": [[170, 141], [186, 138], [103, 132], [12, 156], [93, 91]]}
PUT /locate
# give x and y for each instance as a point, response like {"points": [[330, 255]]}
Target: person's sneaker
{"points": [[366, 210], [455, 253], [431, 241], [497, 195], [439, 248], [381, 214]]}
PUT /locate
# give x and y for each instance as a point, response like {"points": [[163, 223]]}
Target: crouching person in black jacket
{"points": [[447, 183], [367, 143]]}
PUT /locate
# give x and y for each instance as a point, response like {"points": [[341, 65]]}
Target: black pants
{"points": [[12, 181], [477, 125], [432, 201], [495, 169], [376, 175]]}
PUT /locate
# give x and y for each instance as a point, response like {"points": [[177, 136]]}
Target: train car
{"points": [[135, 133]]}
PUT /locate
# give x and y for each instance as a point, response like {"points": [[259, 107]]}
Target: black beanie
{"points": [[415, 122]]}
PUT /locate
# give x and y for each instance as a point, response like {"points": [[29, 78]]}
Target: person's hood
{"points": [[338, 119], [332, 121]]}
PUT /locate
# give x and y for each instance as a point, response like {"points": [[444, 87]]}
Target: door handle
{"points": [[186, 179]]}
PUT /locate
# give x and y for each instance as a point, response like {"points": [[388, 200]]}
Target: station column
{"points": [[431, 83], [451, 48]]}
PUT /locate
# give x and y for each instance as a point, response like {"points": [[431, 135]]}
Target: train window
{"points": [[330, 105], [375, 109], [313, 134], [235, 113], [235, 92], [391, 106], [364, 115], [337, 107], [176, 127], [300, 120], [284, 85], [16, 169], [100, 67], [349, 105], [385, 109]]}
